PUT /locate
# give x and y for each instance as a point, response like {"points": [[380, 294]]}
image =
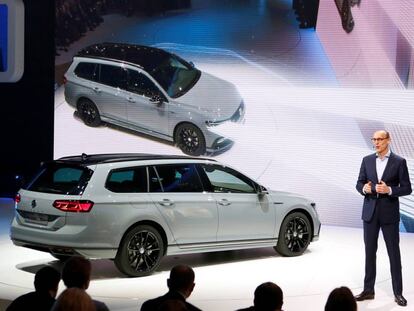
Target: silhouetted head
{"points": [[47, 280], [341, 299], [268, 297], [74, 299], [77, 272], [181, 279]]}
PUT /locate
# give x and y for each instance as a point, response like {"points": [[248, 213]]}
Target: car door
{"points": [[110, 92], [190, 212], [147, 106], [243, 213]]}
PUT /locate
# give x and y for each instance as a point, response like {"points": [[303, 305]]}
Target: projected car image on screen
{"points": [[136, 208], [152, 91]]}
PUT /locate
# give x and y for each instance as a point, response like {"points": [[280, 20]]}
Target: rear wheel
{"points": [[294, 235], [190, 139], [89, 113], [140, 251]]}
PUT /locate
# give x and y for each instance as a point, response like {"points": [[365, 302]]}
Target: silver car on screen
{"points": [[155, 92], [136, 208]]}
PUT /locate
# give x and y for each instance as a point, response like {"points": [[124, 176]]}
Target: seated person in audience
{"points": [[180, 285], [341, 299], [46, 284], [172, 305], [267, 297], [74, 299], [77, 273]]}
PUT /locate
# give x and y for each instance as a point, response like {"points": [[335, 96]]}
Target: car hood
{"points": [[213, 95]]}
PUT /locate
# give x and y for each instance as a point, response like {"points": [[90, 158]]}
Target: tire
{"points": [[190, 139], [294, 235], [140, 251], [89, 113]]}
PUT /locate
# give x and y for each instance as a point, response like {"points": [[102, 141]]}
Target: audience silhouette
{"points": [[76, 273], [267, 297], [46, 284], [180, 285], [341, 299]]}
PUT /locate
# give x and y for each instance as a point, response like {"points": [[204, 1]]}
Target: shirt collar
{"points": [[387, 155]]}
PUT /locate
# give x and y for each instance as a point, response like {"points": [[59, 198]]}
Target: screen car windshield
{"points": [[175, 76]]}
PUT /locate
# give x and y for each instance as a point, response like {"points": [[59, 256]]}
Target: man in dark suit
{"points": [[383, 178], [180, 285]]}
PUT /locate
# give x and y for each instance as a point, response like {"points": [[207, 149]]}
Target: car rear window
{"points": [[87, 71], [60, 178]]}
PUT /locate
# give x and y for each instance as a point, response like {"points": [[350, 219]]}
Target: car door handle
{"points": [[97, 89], [166, 202], [224, 202], [131, 100]]}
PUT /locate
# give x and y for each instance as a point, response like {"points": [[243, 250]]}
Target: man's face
{"points": [[381, 142]]}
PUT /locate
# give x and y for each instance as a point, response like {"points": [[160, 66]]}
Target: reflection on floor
{"points": [[226, 280]]}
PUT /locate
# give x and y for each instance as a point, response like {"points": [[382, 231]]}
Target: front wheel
{"points": [[190, 139], [140, 251], [294, 235]]}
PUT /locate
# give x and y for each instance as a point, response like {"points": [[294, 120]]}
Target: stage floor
{"points": [[226, 280]]}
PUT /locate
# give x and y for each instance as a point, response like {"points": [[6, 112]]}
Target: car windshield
{"points": [[175, 76]]}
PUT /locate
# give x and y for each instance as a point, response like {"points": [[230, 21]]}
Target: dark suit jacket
{"points": [[154, 304], [32, 301], [395, 176]]}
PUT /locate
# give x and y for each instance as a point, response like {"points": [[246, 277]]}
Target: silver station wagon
{"points": [[137, 208], [154, 92]]}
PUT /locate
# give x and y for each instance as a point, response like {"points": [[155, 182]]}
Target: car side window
{"points": [[224, 179], [140, 84], [176, 178], [114, 76], [130, 180], [87, 71]]}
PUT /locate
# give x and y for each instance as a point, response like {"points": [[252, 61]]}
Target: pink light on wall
{"points": [[378, 52]]}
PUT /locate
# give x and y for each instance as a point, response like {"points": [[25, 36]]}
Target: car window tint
{"points": [[127, 180], [224, 179], [140, 84], [179, 178], [59, 178], [114, 76], [86, 71]]}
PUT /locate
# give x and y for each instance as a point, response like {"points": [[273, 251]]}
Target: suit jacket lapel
{"points": [[373, 162], [388, 166]]}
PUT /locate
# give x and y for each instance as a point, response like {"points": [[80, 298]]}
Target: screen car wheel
{"points": [[89, 113], [140, 251], [190, 139], [294, 235]]}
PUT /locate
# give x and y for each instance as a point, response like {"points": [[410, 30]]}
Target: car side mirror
{"points": [[262, 190], [192, 64], [156, 99]]}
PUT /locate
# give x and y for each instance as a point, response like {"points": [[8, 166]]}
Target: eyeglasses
{"points": [[378, 139]]}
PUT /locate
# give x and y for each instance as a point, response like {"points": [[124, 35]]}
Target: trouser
{"points": [[392, 239]]}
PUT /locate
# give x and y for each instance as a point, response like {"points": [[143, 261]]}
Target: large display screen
{"points": [[249, 83], [3, 37]]}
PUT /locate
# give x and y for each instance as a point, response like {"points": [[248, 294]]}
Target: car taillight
{"points": [[17, 198], [75, 206]]}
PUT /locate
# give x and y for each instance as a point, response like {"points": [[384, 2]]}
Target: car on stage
{"points": [[137, 208], [152, 91]]}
